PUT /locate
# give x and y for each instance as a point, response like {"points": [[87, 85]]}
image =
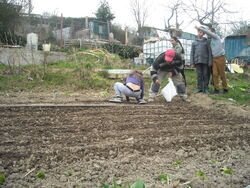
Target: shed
{"points": [[99, 29], [237, 46]]}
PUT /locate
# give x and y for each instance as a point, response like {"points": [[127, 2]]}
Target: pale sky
{"points": [[122, 11]]}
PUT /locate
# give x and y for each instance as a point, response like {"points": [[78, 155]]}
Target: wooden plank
{"points": [[77, 105]]}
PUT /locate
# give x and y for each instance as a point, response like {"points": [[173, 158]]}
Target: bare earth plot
{"points": [[85, 145]]}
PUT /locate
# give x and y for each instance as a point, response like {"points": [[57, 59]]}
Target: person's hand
{"points": [[157, 81]]}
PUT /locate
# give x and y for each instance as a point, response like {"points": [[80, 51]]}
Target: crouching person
{"points": [[133, 87], [166, 65]]}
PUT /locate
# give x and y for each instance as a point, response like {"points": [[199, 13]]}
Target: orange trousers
{"points": [[219, 70]]}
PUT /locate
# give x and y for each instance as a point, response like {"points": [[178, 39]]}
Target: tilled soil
{"points": [[82, 146]]}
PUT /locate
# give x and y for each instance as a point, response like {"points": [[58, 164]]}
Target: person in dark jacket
{"points": [[133, 87], [201, 58], [166, 64], [219, 59]]}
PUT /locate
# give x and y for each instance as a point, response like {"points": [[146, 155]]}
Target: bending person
{"points": [[133, 87], [166, 65]]}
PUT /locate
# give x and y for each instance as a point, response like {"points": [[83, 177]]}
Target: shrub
{"points": [[123, 50]]}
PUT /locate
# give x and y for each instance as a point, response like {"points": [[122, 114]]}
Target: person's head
{"points": [[200, 33], [169, 55], [174, 40], [137, 73]]}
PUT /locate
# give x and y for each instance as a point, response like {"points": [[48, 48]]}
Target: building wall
{"points": [[16, 56]]}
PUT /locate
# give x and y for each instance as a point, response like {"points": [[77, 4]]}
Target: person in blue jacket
{"points": [[133, 87]]}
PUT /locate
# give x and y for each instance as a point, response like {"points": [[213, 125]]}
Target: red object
{"points": [[169, 55]]}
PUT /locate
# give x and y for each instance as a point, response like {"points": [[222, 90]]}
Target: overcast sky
{"points": [[122, 11]]}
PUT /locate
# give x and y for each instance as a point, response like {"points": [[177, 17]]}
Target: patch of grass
{"points": [[92, 82], [2, 179], [11, 82], [103, 74], [239, 89], [108, 67], [191, 77], [61, 64], [238, 86], [3, 66], [56, 78]]}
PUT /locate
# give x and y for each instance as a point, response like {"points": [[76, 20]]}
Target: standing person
{"points": [[133, 87], [201, 58], [178, 48], [219, 60], [166, 64]]}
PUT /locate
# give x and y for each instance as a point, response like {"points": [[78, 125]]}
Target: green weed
{"points": [[61, 64], [103, 74], [40, 175], [2, 179], [177, 163], [164, 178], [137, 184], [237, 156], [69, 173], [201, 175], [227, 170], [213, 161]]}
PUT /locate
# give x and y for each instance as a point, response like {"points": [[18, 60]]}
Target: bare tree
{"points": [[140, 13], [174, 8], [174, 12], [240, 28], [24, 5], [207, 12]]}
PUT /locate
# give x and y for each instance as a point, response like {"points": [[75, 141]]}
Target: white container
{"points": [[46, 47], [32, 41]]}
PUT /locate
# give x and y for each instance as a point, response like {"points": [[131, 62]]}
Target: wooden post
{"points": [[108, 25], [126, 35], [61, 30]]}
